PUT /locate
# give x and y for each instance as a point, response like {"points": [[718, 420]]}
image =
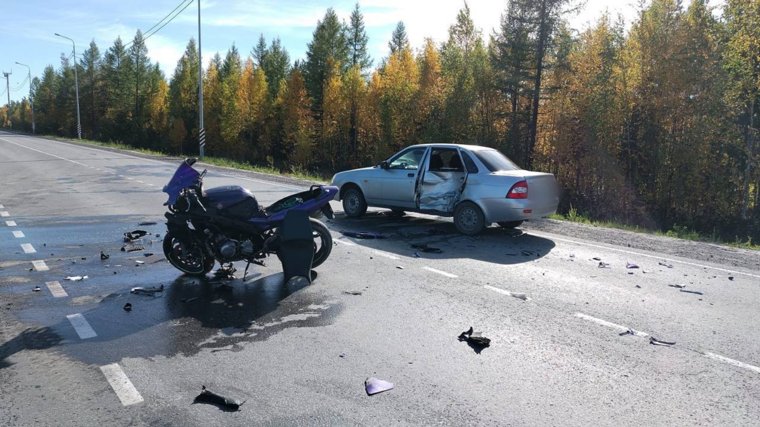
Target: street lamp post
{"points": [[29, 70], [76, 83], [201, 131]]}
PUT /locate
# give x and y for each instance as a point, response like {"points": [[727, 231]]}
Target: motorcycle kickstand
{"points": [[245, 273]]}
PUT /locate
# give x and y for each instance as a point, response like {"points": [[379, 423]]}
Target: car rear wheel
{"points": [[354, 204], [510, 224], [468, 218]]}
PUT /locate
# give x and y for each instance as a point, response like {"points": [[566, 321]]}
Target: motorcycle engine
{"points": [[231, 249]]}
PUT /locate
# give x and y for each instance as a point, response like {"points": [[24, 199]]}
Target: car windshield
{"points": [[495, 161]]}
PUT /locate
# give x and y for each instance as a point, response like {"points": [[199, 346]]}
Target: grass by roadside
{"points": [[678, 232]]}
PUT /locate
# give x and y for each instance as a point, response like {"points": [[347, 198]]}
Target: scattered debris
{"points": [[631, 265], [223, 403], [36, 289], [363, 234], [677, 286], [596, 258], [603, 265], [628, 332], [730, 277], [523, 297], [131, 236], [148, 254], [132, 248], [77, 278], [475, 340], [104, 256], [138, 262], [425, 248], [128, 307], [655, 341], [146, 223], [139, 290], [417, 255], [572, 255], [638, 286], [225, 272], [692, 292], [355, 293], [374, 386], [399, 267], [665, 264]]}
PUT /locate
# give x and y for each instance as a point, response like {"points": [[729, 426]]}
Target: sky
{"points": [[28, 26]]}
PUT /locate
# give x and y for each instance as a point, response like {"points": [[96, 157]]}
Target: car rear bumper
{"points": [[503, 209]]}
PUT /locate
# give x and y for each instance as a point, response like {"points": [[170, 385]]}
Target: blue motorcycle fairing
{"points": [[185, 176]]}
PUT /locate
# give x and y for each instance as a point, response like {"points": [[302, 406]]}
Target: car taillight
{"points": [[518, 191]]}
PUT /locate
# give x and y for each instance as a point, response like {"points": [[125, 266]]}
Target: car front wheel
{"points": [[354, 204], [468, 218]]}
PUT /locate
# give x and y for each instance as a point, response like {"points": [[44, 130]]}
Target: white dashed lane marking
{"points": [[602, 322], [10, 223], [18, 234], [4, 213], [56, 289], [442, 273], [733, 362], [121, 385], [28, 248], [80, 324], [40, 265]]}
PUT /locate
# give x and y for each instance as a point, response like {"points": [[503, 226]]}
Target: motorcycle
{"points": [[226, 224]]}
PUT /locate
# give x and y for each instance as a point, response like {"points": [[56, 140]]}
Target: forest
{"points": [[654, 125]]}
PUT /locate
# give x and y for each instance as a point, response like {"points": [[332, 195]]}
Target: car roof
{"points": [[467, 146]]}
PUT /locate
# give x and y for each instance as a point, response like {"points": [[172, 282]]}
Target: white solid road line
{"points": [[442, 273], [10, 223], [345, 242], [28, 248], [121, 385], [18, 234], [693, 264], [385, 255], [621, 328], [507, 293], [56, 289], [40, 265], [42, 152], [84, 330], [4, 213], [733, 362]]}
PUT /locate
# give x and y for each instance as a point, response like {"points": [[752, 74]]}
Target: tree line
{"points": [[654, 126]]}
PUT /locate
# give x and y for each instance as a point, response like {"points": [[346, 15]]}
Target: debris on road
{"points": [[603, 265], [128, 307], [138, 262], [399, 267], [677, 286], [77, 278], [730, 277], [374, 386], [417, 255], [596, 258], [355, 293], [665, 264], [363, 234], [425, 248], [104, 256], [131, 247], [655, 341], [631, 265], [189, 299], [523, 297], [225, 272], [131, 236], [691, 292], [475, 340], [223, 403], [148, 254], [139, 290], [146, 223], [36, 289]]}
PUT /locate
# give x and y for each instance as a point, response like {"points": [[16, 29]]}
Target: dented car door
{"points": [[442, 180]]}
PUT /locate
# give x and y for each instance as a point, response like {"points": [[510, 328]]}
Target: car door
{"points": [[399, 178], [442, 180]]}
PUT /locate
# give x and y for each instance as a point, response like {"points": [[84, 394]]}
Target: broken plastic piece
{"points": [[139, 290], [416, 254], [223, 403], [146, 223], [104, 256], [399, 267], [475, 340], [128, 307], [677, 286], [631, 265], [138, 262], [225, 272], [363, 234], [603, 265], [373, 386], [425, 248], [36, 289], [77, 278], [628, 332], [665, 264], [355, 293], [730, 277], [596, 258], [655, 341], [692, 292], [132, 248], [134, 235]]}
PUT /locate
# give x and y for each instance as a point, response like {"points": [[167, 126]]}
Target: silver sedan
{"points": [[476, 185]]}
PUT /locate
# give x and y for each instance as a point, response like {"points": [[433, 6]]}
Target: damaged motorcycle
{"points": [[226, 224]]}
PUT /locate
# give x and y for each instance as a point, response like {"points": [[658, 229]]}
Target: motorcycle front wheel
{"points": [[187, 255], [323, 242]]}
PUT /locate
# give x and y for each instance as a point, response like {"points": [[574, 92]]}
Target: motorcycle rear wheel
{"points": [[323, 242], [187, 256]]}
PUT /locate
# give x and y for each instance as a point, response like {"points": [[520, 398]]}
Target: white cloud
{"points": [[166, 52]]}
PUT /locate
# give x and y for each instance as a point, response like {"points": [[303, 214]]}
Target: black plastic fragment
{"points": [[475, 340], [134, 235], [139, 290], [128, 307], [104, 256], [223, 403], [655, 341], [425, 248], [374, 385], [363, 234], [146, 223], [131, 247], [691, 292]]}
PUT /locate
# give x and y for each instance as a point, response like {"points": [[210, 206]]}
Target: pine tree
{"points": [[276, 66], [399, 39], [357, 41], [92, 105], [183, 100], [328, 46]]}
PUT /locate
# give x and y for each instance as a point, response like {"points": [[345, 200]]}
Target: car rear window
{"points": [[495, 161]]}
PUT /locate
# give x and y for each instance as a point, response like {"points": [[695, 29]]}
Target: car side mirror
{"points": [[384, 164]]}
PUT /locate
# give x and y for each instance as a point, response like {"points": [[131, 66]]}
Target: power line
{"points": [[184, 4], [23, 83]]}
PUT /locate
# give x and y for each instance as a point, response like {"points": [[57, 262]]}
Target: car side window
{"points": [[469, 163], [409, 159], [445, 160]]}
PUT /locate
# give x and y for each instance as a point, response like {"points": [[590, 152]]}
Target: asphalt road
{"points": [[570, 341]]}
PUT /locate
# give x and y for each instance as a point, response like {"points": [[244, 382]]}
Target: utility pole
{"points": [[201, 130], [8, 90], [31, 103]]}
